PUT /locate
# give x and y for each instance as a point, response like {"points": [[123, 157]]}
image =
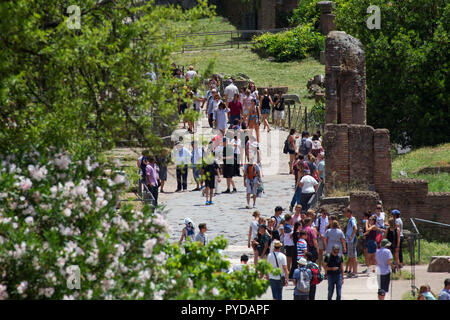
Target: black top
{"points": [[334, 261], [392, 237], [265, 103], [211, 170]]}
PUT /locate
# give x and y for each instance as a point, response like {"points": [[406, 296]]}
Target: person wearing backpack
{"points": [[317, 276], [252, 180], [302, 280], [305, 144], [333, 265]]}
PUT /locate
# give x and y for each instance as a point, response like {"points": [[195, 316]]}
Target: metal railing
{"points": [[236, 38]]}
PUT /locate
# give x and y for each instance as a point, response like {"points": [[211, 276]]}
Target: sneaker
{"points": [[207, 203], [247, 207], [211, 202], [196, 189], [227, 191], [234, 190], [346, 271], [365, 271]]}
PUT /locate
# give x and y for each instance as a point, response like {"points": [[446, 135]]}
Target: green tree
{"points": [[86, 88], [407, 66]]}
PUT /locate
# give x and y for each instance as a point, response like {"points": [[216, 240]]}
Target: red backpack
{"points": [[317, 277]]}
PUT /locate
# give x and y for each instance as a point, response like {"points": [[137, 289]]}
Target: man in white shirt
{"points": [[182, 158], [230, 91], [191, 74], [277, 260], [321, 224], [309, 186], [196, 160], [379, 215]]}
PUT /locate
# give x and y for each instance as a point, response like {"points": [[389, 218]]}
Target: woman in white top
{"points": [[253, 230], [309, 186], [246, 105]]}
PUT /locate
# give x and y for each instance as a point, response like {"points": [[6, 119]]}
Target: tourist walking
{"points": [[316, 275], [266, 102], [210, 171], [445, 293], [311, 239], [252, 180], [238, 267], [298, 174], [254, 119], [393, 236], [291, 149], [333, 265], [383, 257], [228, 165], [302, 280], [246, 104], [334, 237], [278, 114], [202, 237], [253, 231], [288, 241], [151, 179], [188, 232], [316, 146], [321, 167], [235, 107], [321, 224], [278, 260], [236, 144], [261, 243], [309, 186], [220, 118], [197, 163], [399, 223], [371, 235], [182, 158], [365, 238], [351, 230], [162, 162], [230, 90]]}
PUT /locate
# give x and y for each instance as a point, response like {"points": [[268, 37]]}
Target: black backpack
{"points": [[303, 149], [286, 146]]}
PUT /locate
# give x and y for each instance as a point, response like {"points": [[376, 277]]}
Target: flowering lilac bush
{"points": [[57, 211]]}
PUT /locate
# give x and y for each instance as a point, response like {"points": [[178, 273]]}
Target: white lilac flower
{"points": [[49, 292], [25, 184], [37, 173], [89, 294], [3, 292], [29, 220], [148, 247], [62, 161], [67, 212], [109, 274], [119, 179], [215, 292], [66, 297], [22, 287]]}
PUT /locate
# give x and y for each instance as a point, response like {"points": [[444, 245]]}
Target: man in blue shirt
{"points": [[303, 277], [383, 257], [350, 234], [445, 293]]}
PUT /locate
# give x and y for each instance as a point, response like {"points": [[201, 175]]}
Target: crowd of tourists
{"points": [[306, 246]]}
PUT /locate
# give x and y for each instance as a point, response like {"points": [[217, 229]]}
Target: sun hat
{"points": [[385, 243], [302, 261], [188, 220], [277, 244]]}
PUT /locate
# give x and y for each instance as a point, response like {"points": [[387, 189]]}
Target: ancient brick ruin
{"points": [[358, 155]]}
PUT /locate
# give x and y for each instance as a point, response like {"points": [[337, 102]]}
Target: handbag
{"points": [[379, 237], [282, 277]]}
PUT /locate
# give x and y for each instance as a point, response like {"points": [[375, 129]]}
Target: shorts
{"points": [[278, 115], [210, 183], [291, 151], [291, 251], [265, 111], [228, 171], [252, 185], [385, 280], [351, 249], [321, 243], [371, 246]]}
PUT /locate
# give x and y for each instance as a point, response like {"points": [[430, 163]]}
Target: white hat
{"points": [[188, 220], [302, 261]]}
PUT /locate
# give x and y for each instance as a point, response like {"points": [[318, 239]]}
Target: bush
{"points": [[59, 211], [306, 12], [297, 43]]}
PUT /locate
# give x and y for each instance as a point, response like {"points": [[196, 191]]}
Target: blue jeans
{"points": [[277, 289], [334, 280], [297, 196]]}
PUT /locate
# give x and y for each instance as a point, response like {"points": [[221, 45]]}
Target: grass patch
{"points": [[427, 250], [402, 275], [264, 72], [416, 160], [408, 296]]}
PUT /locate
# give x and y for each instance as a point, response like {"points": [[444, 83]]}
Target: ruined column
{"points": [[345, 79], [326, 16], [267, 15]]}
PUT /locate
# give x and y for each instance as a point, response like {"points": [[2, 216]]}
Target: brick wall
{"points": [[382, 163], [363, 201], [337, 155], [361, 155]]}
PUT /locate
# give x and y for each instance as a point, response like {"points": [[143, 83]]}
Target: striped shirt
{"points": [[302, 247]]}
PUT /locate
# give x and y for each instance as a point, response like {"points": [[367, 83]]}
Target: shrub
{"points": [[306, 12], [59, 211], [297, 43]]}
